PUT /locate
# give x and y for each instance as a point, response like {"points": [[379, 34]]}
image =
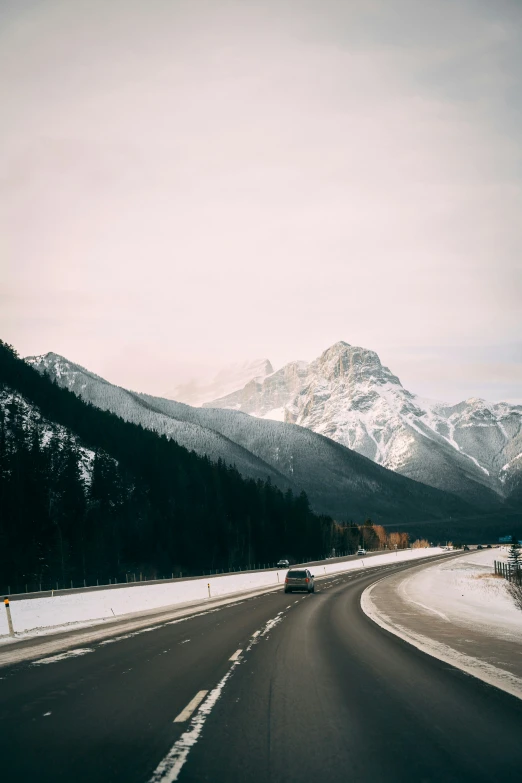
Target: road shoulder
{"points": [[496, 660]]}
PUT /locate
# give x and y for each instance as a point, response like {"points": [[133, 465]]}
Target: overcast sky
{"points": [[188, 183]]}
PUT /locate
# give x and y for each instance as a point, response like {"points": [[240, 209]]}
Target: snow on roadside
{"points": [[38, 616], [466, 591]]}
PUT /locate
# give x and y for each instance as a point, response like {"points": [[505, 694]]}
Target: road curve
{"points": [[310, 689]]}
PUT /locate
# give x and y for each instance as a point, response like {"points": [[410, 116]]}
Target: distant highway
{"points": [[291, 688], [119, 585]]}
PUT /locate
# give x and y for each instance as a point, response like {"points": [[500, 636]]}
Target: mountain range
{"points": [[472, 449], [338, 480]]}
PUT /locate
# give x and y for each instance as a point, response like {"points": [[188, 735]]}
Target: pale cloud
{"points": [[189, 183]]}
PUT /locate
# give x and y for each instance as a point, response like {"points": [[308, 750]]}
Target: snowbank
{"points": [[49, 614]]}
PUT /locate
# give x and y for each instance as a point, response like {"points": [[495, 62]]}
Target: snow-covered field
{"points": [[467, 592], [38, 616]]}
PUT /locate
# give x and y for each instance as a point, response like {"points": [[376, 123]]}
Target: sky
{"points": [[188, 183]]}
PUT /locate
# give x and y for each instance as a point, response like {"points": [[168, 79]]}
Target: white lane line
{"points": [[236, 655], [185, 714], [169, 768]]}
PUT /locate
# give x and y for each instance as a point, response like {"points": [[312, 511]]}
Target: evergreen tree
{"points": [[514, 555]]}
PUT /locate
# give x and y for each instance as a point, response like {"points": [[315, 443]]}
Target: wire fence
{"points": [[32, 587], [510, 571]]}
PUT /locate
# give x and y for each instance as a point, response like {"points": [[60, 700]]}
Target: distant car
{"points": [[283, 563], [465, 548], [361, 551], [480, 546], [489, 546], [299, 580]]}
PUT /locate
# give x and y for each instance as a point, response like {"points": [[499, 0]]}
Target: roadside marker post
{"points": [[9, 620], [208, 585]]}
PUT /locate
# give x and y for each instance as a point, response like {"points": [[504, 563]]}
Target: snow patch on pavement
{"points": [[63, 656]]}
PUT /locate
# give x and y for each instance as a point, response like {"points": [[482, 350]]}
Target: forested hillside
{"points": [[85, 495], [338, 482]]}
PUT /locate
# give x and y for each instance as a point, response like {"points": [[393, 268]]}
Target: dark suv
{"points": [[300, 579]]}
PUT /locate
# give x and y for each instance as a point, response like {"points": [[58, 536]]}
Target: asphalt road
{"points": [[318, 692]]}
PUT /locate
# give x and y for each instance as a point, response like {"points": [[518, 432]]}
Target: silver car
{"points": [[300, 579]]}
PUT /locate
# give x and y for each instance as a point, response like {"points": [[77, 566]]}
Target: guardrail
{"points": [[41, 589], [513, 573]]}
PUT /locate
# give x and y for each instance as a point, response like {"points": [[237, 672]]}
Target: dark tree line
{"points": [[85, 495], [143, 504]]}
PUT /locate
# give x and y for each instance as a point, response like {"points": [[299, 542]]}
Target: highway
{"points": [[292, 688], [210, 575]]}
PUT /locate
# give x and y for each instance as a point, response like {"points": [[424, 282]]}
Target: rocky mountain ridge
{"points": [[347, 395]]}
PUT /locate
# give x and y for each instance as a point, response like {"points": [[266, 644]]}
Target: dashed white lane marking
{"points": [[169, 768], [185, 714], [46, 714], [236, 655]]}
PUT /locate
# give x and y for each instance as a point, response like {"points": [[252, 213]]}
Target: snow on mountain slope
{"points": [[338, 481], [471, 448], [137, 409], [16, 411], [266, 397], [227, 380]]}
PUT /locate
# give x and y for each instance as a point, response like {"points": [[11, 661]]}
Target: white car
{"points": [[361, 551], [283, 564]]}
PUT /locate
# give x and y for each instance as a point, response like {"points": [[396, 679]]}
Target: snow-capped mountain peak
{"points": [[348, 395]]}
